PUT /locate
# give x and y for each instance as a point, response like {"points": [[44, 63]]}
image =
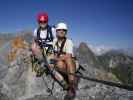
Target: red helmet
{"points": [[42, 17]]}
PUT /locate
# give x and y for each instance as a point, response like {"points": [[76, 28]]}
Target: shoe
{"points": [[71, 94]]}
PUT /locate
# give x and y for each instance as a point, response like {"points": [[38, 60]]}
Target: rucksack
{"points": [[49, 37], [43, 42]]}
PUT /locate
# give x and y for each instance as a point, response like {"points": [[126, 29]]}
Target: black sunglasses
{"points": [[42, 22], [61, 30]]}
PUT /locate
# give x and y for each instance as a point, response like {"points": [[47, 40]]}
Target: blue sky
{"points": [[97, 22]]}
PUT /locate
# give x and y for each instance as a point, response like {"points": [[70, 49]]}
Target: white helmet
{"points": [[61, 26]]}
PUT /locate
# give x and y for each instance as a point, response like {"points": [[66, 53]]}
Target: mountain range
{"points": [[18, 82]]}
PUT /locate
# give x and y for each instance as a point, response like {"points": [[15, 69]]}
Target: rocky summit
{"points": [[18, 81]]}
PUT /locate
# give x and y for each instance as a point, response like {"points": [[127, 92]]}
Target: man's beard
{"points": [[43, 27], [61, 38]]}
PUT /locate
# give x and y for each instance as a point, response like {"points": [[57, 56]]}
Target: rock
{"points": [[4, 97], [85, 55]]}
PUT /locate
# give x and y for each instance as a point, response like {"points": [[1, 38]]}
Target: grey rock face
{"points": [[85, 55]]}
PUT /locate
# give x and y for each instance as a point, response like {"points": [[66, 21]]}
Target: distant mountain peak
{"points": [[85, 54], [99, 50], [83, 45]]}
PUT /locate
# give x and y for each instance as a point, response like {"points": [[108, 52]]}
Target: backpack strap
{"points": [[38, 33], [49, 37], [61, 48]]}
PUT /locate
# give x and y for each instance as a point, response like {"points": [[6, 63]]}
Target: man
{"points": [[63, 48], [44, 33]]}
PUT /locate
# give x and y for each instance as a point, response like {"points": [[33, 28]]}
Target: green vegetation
{"points": [[120, 64], [124, 72]]}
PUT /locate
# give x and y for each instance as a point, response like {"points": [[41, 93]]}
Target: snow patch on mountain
{"points": [[101, 49]]}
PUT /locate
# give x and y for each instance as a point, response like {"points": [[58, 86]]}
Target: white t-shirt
{"points": [[43, 33], [68, 46]]}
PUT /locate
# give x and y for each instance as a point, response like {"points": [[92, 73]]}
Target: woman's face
{"points": [[61, 33]]}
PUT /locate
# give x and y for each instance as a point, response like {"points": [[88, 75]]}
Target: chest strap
{"points": [[60, 48]]}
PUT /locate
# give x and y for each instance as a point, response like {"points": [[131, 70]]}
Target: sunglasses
{"points": [[61, 30], [42, 22]]}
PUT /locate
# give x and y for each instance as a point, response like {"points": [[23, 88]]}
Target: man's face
{"points": [[61, 33], [43, 24]]}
